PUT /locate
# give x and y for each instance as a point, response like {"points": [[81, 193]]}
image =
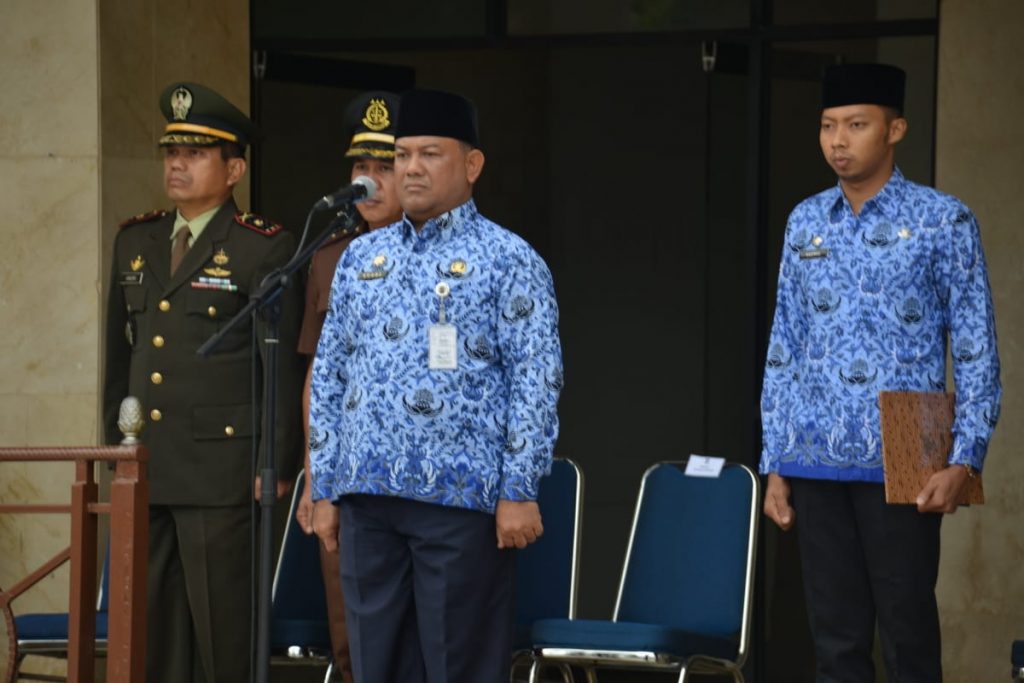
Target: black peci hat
{"points": [[200, 117], [371, 118], [879, 84], [437, 113]]}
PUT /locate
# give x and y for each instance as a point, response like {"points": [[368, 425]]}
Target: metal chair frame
{"points": [[523, 657]]}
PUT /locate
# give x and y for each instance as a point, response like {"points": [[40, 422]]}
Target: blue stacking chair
{"points": [[685, 596], [1017, 660], [298, 624], [547, 569], [46, 634]]}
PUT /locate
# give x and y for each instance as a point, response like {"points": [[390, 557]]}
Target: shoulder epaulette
{"points": [[143, 218], [247, 219], [345, 233]]}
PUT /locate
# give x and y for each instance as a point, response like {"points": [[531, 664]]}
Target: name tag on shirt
{"points": [[443, 351], [704, 466], [813, 253]]}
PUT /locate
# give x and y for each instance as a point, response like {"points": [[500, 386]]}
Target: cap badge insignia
{"points": [[458, 267], [904, 233], [220, 258], [137, 263], [817, 241], [181, 103], [377, 117], [379, 260]]}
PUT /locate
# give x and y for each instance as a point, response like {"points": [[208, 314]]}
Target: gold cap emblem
{"points": [[379, 260], [137, 263], [904, 233], [817, 241], [458, 267], [220, 258], [377, 116], [181, 103]]}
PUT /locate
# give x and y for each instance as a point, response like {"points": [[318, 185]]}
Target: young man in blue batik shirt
{"points": [[432, 415], [877, 273]]}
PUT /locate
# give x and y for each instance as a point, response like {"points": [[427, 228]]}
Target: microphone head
{"points": [[367, 182]]}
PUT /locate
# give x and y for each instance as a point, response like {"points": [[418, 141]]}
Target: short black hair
{"points": [[231, 150]]}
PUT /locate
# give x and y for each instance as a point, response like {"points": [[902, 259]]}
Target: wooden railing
{"points": [[129, 532]]}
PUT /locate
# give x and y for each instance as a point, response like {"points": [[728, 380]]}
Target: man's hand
{"points": [[943, 490], [326, 520], [304, 511], [517, 523], [776, 502], [283, 487]]}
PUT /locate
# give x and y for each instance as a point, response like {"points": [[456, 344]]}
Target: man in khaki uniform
{"points": [[177, 277]]}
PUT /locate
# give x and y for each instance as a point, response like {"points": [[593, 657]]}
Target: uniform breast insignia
{"points": [[143, 218], [219, 259], [379, 269], [258, 224], [137, 263], [457, 269]]}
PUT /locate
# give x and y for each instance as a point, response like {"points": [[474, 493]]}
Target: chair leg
{"points": [[564, 669], [329, 672], [591, 673]]}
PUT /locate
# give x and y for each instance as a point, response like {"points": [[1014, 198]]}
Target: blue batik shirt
{"points": [[865, 303], [382, 422]]}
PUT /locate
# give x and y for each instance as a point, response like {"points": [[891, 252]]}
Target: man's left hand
{"points": [[517, 523], [283, 487], [944, 490]]}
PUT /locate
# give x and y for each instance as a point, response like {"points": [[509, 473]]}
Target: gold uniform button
{"points": [[158, 341], [212, 311], [229, 430], [165, 305], [156, 415], [156, 378]]}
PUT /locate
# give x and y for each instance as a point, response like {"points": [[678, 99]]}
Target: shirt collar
{"points": [[442, 227], [196, 225], [887, 201]]}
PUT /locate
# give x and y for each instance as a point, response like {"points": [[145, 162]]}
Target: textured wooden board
{"points": [[917, 436]]}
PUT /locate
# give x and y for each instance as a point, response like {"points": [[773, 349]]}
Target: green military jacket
{"points": [[199, 422]]}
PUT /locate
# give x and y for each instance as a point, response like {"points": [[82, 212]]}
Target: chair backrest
{"points": [[690, 559], [298, 591], [546, 570]]}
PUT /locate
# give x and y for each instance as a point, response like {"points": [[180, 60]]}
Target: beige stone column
{"points": [[79, 124], [979, 156]]}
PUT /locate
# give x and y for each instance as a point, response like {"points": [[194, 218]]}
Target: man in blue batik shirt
{"points": [[432, 414], [876, 274]]}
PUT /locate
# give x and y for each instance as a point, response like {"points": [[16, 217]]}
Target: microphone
{"points": [[361, 188]]}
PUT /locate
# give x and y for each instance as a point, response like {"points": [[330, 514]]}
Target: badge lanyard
{"points": [[443, 350]]}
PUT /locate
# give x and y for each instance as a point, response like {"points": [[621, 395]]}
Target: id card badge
{"points": [[443, 347], [442, 353]]}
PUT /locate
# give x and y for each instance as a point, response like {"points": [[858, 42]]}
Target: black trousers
{"points": [[428, 595], [199, 594], [864, 560]]}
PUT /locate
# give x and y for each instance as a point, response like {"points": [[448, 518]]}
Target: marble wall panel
{"points": [[48, 78], [48, 276]]}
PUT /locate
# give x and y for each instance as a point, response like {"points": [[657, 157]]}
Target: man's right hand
{"points": [[304, 512], [776, 502], [326, 519]]}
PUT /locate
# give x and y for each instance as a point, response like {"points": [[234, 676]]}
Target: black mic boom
{"points": [[361, 188]]}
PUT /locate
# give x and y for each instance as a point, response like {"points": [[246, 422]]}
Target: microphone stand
{"points": [[266, 301]]}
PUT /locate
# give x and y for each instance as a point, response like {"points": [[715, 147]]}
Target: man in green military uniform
{"points": [[177, 278]]}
